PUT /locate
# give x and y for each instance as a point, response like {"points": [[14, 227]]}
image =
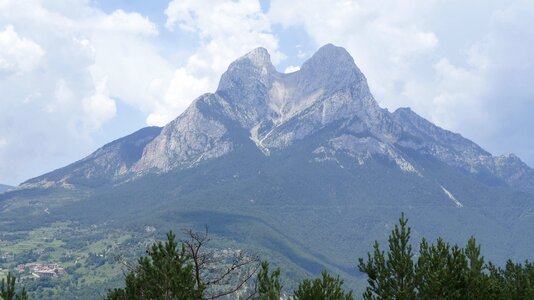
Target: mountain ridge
{"points": [[278, 109], [5, 187], [106, 163]]}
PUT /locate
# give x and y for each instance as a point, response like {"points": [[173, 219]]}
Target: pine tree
{"points": [[512, 282], [327, 288], [378, 275], [164, 274], [439, 272], [392, 278], [268, 286], [476, 280], [7, 289]]}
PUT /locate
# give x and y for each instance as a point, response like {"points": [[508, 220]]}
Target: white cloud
{"points": [[291, 69], [458, 90], [99, 107], [132, 23], [181, 91], [67, 65], [17, 54], [226, 30], [486, 94], [507, 62]]}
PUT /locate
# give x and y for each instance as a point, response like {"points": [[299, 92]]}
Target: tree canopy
{"points": [[7, 289], [166, 273], [441, 271]]}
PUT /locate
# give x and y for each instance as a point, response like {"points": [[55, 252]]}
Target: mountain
{"points": [[305, 165], [273, 110], [4, 187]]}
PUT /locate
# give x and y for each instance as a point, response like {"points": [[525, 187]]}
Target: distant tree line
{"points": [[188, 271]]}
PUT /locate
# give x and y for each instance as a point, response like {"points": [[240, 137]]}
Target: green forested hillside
{"points": [[303, 214], [190, 269]]}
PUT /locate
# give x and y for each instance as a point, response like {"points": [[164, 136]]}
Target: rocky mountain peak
{"points": [[331, 58], [259, 57], [404, 111], [333, 68], [259, 93], [276, 109], [247, 71]]}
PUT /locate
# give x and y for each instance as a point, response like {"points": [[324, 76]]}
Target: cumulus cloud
{"points": [[99, 107], [291, 69], [507, 53], [486, 94], [17, 54], [182, 89], [226, 30], [123, 22], [457, 97], [63, 67]]}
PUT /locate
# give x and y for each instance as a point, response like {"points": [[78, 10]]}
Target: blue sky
{"points": [[77, 74]]}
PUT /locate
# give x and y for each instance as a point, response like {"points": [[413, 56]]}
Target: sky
{"points": [[77, 74]]}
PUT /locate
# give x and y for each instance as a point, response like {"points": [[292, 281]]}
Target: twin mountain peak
{"points": [[326, 106]]}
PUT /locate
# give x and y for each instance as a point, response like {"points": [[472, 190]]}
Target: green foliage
{"points": [[7, 289], [476, 279], [164, 274], [439, 272], [269, 287], [515, 281], [445, 272], [327, 288], [392, 278], [442, 271]]}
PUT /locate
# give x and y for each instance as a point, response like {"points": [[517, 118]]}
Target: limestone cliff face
{"points": [[276, 109], [187, 140], [255, 103]]}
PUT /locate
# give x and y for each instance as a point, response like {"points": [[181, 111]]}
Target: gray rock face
{"points": [[112, 161], [277, 110], [453, 149], [280, 109], [187, 140]]}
